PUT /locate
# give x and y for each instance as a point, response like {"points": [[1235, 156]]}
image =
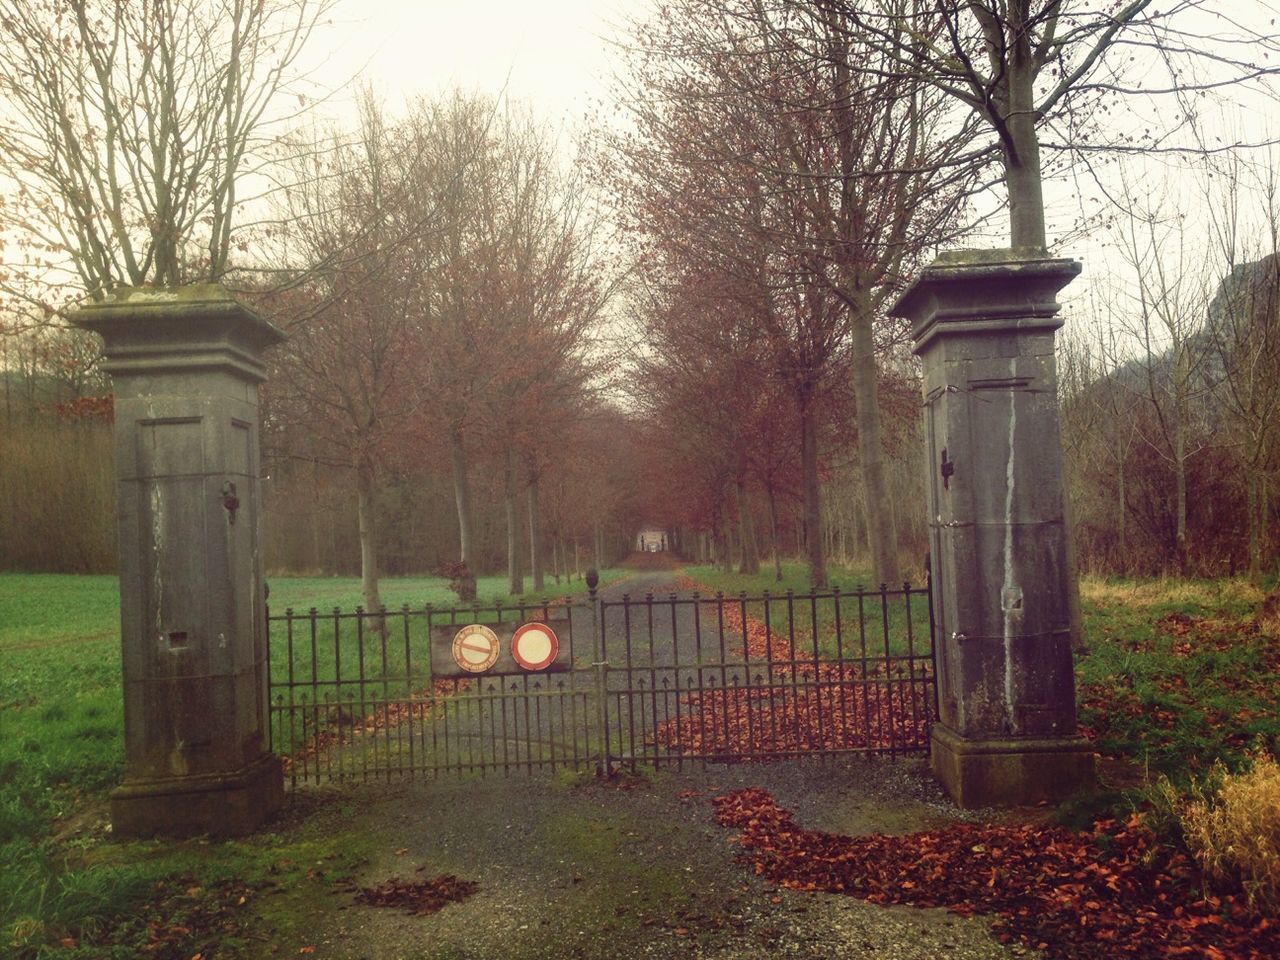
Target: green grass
{"points": [[325, 593], [61, 718], [864, 614], [1178, 674]]}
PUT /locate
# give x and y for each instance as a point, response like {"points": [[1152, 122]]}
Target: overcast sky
{"points": [[553, 54]]}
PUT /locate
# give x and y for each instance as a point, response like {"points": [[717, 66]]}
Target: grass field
{"points": [[871, 624], [60, 734]]}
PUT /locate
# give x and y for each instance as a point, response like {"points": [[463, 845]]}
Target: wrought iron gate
{"points": [[653, 680]]}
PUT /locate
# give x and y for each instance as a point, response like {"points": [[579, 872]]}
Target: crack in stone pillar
{"points": [[983, 323]]}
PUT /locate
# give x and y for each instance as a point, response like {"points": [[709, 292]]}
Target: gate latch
{"points": [[948, 468], [230, 502]]}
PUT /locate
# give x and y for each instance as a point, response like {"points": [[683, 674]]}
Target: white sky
{"points": [[552, 54]]}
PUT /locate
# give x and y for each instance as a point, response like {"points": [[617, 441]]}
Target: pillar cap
{"points": [[150, 330], [985, 290]]}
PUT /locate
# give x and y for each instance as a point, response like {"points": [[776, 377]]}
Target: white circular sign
{"points": [[475, 648], [534, 646]]}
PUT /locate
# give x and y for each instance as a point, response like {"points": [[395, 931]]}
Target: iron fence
{"points": [[769, 676], [653, 680], [353, 696]]}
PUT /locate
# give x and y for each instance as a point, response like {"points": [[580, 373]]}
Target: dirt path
{"points": [[581, 869]]}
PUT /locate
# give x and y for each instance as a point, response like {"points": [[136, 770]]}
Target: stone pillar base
{"points": [[221, 805], [1010, 772]]}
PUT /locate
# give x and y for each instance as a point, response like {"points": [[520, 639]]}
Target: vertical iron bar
{"points": [[601, 666], [768, 657], [364, 754], [675, 672], [724, 676], [866, 675], [884, 625], [337, 688], [823, 746], [748, 700], [435, 700], [410, 693], [911, 667], [386, 693], [629, 683], [791, 653], [844, 703]]}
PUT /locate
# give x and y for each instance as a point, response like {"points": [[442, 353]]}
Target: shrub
{"points": [[1234, 831]]}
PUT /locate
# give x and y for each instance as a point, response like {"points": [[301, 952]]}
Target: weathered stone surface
{"points": [[983, 324], [1013, 772], [218, 804], [186, 365]]}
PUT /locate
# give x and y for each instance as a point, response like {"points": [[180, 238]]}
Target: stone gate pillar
{"points": [[983, 322], [186, 364]]}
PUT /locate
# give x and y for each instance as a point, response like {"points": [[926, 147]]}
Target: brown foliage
{"points": [[418, 897], [1109, 892]]}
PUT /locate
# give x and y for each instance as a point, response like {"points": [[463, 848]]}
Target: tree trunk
{"points": [[1257, 518], [774, 533], [812, 495], [535, 535], [599, 546], [1022, 163], [1123, 511], [367, 510], [747, 532], [1180, 489], [515, 575], [462, 496]]}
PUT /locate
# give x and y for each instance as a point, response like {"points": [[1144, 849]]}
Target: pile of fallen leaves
{"points": [[1110, 892], [418, 897], [794, 704]]}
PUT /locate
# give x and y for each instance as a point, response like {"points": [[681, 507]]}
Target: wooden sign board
{"points": [[485, 649]]}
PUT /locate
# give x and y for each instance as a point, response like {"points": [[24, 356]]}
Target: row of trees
{"points": [[785, 167], [1171, 388], [780, 183], [440, 313], [436, 273]]}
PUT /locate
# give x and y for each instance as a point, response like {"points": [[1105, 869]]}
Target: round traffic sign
{"points": [[475, 648], [535, 646]]}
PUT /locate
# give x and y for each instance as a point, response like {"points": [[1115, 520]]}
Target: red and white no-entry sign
{"points": [[475, 648], [534, 646]]}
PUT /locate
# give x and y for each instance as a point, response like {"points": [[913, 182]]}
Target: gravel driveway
{"points": [[577, 868]]}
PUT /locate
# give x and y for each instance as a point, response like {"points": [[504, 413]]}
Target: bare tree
{"points": [[1169, 308], [128, 128], [774, 143], [1243, 325], [1024, 67], [345, 379]]}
